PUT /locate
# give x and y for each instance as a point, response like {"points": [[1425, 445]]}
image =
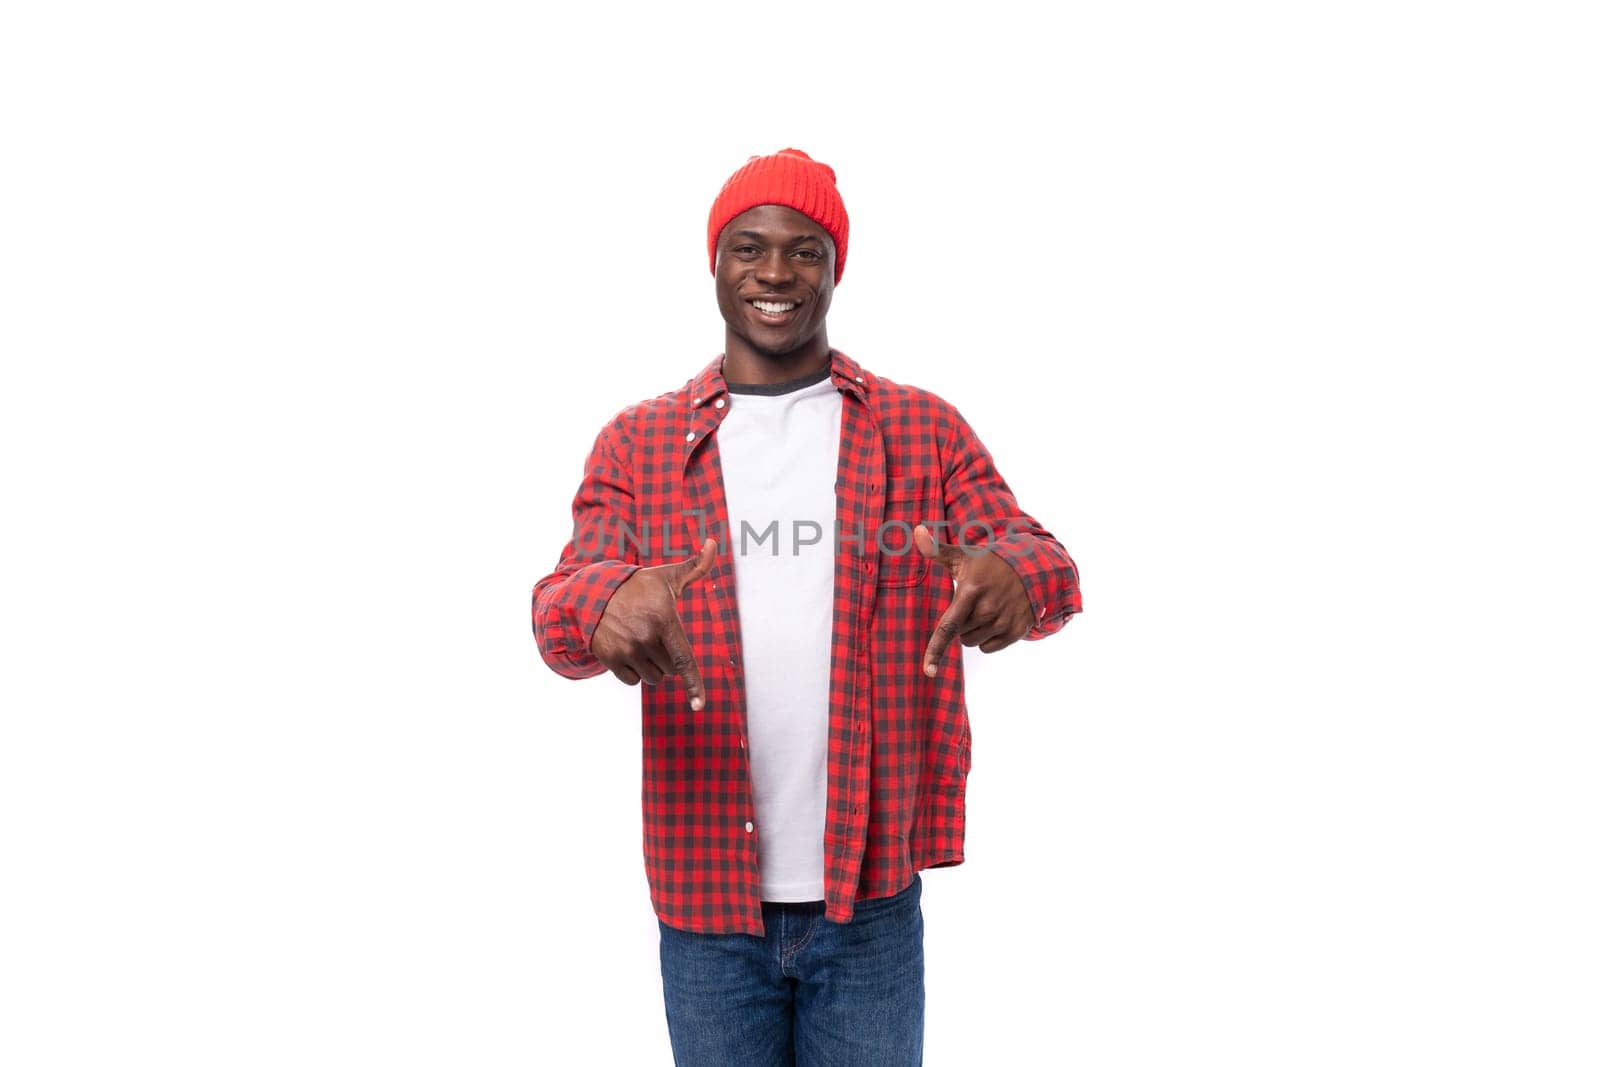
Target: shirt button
{"points": [[749, 826], [697, 401], [741, 742], [721, 403], [860, 379], [689, 436], [861, 727]]}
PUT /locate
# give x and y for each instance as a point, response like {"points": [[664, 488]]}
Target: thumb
{"points": [[692, 570], [930, 546]]}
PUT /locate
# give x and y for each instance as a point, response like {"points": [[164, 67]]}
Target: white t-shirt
{"points": [[780, 459]]}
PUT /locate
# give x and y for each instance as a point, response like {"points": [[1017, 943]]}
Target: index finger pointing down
{"points": [[948, 629], [684, 664]]}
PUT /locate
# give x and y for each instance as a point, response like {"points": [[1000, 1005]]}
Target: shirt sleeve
{"points": [[981, 509], [569, 601]]}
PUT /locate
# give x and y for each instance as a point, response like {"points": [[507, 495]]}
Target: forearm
{"points": [[983, 510], [569, 601], [1048, 574], [567, 606]]}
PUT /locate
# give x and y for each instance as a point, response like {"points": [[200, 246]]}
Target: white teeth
{"points": [[772, 308]]}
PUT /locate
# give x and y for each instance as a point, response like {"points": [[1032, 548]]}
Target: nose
{"points": [[775, 269]]}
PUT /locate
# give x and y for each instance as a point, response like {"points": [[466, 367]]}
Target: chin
{"points": [[777, 350]]}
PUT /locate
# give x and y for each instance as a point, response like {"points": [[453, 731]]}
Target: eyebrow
{"points": [[762, 237]]}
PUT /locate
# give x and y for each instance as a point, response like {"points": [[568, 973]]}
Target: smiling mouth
{"points": [[776, 310]]}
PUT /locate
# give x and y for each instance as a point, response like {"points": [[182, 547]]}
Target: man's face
{"points": [[774, 278]]}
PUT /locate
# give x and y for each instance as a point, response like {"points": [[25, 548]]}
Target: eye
{"points": [[808, 254], [746, 250]]}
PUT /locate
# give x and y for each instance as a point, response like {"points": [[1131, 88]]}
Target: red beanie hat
{"points": [[790, 178]]}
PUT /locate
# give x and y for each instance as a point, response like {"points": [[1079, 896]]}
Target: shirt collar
{"points": [[848, 377]]}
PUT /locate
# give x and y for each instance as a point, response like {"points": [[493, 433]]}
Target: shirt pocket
{"points": [[907, 501]]}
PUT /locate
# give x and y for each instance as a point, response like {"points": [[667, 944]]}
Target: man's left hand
{"points": [[990, 609]]}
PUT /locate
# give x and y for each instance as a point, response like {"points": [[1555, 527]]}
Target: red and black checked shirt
{"points": [[899, 744]]}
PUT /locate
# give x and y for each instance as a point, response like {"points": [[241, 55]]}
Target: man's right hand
{"points": [[640, 637]]}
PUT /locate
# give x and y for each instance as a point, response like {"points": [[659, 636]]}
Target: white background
{"points": [[1281, 316]]}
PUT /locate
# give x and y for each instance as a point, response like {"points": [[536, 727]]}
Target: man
{"points": [[785, 551]]}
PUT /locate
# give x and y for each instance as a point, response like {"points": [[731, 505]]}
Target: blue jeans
{"points": [[811, 993]]}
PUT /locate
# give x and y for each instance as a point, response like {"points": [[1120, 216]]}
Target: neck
{"points": [[744, 365]]}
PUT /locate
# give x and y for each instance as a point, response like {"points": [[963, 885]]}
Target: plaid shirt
{"points": [[899, 743]]}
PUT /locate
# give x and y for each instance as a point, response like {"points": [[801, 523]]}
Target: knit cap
{"points": [[790, 178]]}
